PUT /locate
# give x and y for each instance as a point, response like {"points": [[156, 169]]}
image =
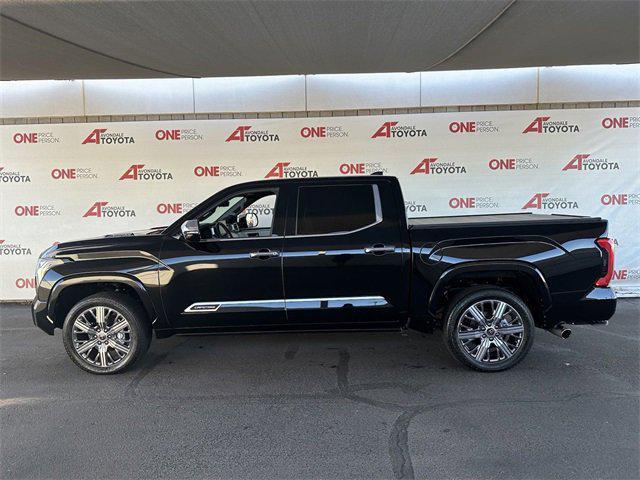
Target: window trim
{"points": [[377, 204]]}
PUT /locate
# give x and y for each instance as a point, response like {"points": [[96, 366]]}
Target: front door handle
{"points": [[380, 249], [264, 253]]}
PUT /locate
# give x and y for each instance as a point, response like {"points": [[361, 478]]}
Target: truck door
{"points": [[343, 261], [231, 276]]}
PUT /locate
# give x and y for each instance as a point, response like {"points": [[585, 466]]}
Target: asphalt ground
{"points": [[328, 405]]}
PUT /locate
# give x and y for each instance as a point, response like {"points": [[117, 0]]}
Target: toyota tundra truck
{"points": [[327, 254]]}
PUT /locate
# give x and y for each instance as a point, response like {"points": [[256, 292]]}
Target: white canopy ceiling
{"points": [[137, 39]]}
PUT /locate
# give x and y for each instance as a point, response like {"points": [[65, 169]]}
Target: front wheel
{"points": [[106, 333], [489, 329]]}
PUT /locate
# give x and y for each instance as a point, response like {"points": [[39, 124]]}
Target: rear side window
{"points": [[336, 209]]}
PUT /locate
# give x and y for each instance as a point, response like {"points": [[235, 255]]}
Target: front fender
{"points": [[96, 278]]}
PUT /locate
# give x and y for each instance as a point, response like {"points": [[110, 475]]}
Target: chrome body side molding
{"points": [[291, 304]]}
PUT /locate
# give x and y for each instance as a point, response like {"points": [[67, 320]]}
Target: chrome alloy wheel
{"points": [[490, 331], [101, 336]]}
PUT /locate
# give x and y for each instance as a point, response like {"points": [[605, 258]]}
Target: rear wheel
{"points": [[489, 329], [106, 333]]}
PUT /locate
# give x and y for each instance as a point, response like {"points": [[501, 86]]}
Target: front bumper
{"points": [[40, 317], [597, 306]]}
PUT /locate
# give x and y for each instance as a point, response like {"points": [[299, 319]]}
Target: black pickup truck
{"points": [[327, 253]]}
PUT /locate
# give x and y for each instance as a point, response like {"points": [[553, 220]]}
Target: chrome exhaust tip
{"points": [[561, 331]]}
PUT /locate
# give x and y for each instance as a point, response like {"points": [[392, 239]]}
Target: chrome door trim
{"points": [[335, 302], [239, 306], [291, 304], [376, 202], [380, 249], [264, 254]]}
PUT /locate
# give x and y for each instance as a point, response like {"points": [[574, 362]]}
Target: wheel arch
{"points": [[522, 278], [69, 290]]}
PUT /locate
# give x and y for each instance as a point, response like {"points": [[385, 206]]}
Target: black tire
{"points": [[460, 305], [139, 331]]}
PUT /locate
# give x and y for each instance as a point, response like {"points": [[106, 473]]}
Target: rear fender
{"points": [[489, 270]]}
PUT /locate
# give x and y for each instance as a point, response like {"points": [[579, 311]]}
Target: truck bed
{"points": [[500, 219]]}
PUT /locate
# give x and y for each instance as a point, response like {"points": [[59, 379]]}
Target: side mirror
{"points": [[190, 230], [252, 220]]}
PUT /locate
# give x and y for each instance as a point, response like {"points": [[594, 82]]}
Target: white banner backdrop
{"points": [[68, 181]]}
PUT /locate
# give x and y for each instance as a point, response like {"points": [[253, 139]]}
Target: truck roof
{"points": [[340, 179]]}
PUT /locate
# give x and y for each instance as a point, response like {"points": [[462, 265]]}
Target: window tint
{"points": [[333, 209]]}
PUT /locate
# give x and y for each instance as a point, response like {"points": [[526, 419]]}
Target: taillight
{"points": [[606, 245]]}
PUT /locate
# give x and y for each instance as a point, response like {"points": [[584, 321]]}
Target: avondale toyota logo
{"points": [[544, 125], [104, 210], [394, 130], [542, 201], [584, 162], [244, 133], [412, 207], [261, 210], [428, 166], [13, 249], [139, 173], [13, 176], [101, 136], [285, 170]]}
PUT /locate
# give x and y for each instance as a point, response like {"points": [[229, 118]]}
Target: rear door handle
{"points": [[380, 249], [264, 253]]}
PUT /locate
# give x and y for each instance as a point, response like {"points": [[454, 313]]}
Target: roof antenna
{"points": [[377, 173]]}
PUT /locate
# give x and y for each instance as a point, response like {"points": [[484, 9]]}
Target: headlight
{"points": [[44, 264]]}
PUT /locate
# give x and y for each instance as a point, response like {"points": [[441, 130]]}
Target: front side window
{"points": [[221, 209], [336, 209], [243, 215]]}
